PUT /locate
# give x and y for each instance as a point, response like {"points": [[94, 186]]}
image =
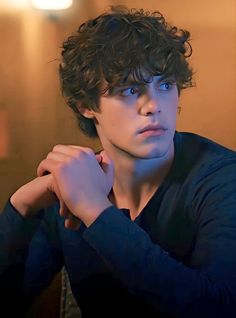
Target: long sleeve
{"points": [[206, 286], [29, 257]]}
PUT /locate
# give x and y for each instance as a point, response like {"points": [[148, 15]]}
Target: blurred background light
{"points": [[14, 3], [52, 4]]}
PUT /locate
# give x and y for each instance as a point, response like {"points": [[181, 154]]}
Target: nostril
{"points": [[151, 113]]}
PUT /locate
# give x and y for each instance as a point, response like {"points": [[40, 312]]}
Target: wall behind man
{"points": [[30, 97]]}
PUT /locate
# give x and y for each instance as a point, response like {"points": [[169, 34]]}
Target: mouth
{"points": [[153, 130], [156, 132]]}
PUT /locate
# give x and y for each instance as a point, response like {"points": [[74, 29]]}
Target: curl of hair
{"points": [[116, 46]]}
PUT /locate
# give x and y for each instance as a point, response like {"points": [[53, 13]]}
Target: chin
{"points": [[157, 148], [156, 152]]}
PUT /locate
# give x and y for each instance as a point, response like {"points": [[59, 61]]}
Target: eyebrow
{"points": [[135, 83], [130, 83], [159, 79], [164, 78]]}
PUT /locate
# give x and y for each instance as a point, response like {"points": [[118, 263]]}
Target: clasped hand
{"points": [[82, 182]]}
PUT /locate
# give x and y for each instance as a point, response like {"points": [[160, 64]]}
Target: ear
{"points": [[88, 113]]}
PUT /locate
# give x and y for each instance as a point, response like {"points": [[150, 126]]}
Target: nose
{"points": [[150, 104]]}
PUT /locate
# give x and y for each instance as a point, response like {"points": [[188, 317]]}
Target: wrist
{"points": [[24, 201], [20, 205], [93, 211]]}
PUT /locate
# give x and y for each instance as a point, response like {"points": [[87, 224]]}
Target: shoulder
{"points": [[206, 175], [195, 153], [205, 169], [201, 145]]}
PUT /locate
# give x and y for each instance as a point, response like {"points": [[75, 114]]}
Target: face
{"points": [[139, 120]]}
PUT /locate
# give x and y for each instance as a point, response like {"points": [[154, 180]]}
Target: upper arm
{"points": [[214, 251]]}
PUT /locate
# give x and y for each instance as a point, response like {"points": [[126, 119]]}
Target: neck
{"points": [[136, 179]]}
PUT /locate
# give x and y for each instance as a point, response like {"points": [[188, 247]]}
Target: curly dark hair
{"points": [[117, 45]]}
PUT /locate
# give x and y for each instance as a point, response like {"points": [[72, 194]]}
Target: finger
{"points": [[72, 150], [99, 158], [107, 165], [54, 188], [71, 222], [45, 166], [63, 209], [57, 156]]}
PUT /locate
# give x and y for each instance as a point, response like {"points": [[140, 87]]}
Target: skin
{"points": [[141, 162], [68, 166], [133, 108], [132, 164]]}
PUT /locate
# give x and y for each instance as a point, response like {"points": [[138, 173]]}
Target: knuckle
{"points": [[49, 154], [90, 151], [56, 147], [62, 165], [80, 153], [68, 161]]}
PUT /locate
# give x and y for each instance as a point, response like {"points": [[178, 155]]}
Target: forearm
{"points": [[16, 233], [30, 256], [151, 273]]}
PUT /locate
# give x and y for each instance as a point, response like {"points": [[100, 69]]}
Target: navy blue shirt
{"points": [[176, 259]]}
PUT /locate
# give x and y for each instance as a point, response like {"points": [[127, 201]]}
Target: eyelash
{"points": [[140, 89], [170, 83], [122, 91]]}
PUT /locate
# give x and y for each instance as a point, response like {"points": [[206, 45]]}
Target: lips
{"points": [[154, 128]]}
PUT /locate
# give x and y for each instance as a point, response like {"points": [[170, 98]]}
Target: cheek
{"points": [[173, 101], [108, 121], [115, 114], [175, 96]]}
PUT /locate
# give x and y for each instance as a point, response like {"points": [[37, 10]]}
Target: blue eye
{"points": [[166, 86], [129, 91]]}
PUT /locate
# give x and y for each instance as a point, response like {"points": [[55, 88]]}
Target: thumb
{"points": [[108, 167], [53, 187]]}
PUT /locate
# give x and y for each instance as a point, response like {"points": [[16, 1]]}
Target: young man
{"points": [[147, 227]]}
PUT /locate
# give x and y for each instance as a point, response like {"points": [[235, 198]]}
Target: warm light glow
{"points": [[19, 4], [52, 4], [4, 134]]}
